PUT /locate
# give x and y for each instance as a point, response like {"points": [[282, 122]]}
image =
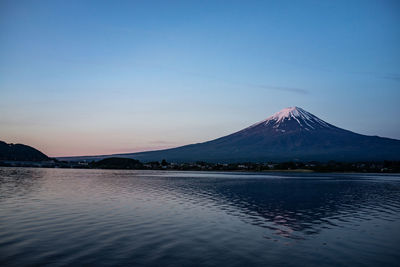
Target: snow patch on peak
{"points": [[287, 113], [304, 119]]}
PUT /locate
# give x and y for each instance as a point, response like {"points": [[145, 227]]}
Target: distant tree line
{"points": [[132, 164], [331, 166]]}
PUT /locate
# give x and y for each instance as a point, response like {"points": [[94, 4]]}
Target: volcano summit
{"points": [[291, 134]]}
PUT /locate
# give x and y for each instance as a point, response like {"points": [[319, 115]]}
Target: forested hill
{"points": [[20, 152]]}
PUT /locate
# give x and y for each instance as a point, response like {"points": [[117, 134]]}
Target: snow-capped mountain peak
{"points": [[287, 113], [294, 118]]}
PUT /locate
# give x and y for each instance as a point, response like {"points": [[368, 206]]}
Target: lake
{"points": [[73, 217]]}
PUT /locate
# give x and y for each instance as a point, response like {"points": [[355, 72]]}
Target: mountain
{"points": [[20, 152], [291, 134]]}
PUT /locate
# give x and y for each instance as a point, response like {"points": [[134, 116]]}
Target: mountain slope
{"points": [[290, 134], [20, 152]]}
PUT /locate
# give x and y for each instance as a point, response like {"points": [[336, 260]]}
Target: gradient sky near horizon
{"points": [[100, 77]]}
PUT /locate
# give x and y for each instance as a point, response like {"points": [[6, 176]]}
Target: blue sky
{"points": [[98, 77]]}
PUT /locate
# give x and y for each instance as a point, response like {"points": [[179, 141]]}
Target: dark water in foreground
{"points": [[58, 217]]}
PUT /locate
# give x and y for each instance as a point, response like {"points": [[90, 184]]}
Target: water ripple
{"points": [[153, 218]]}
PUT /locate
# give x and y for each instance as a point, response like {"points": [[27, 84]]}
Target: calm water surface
{"points": [[60, 217]]}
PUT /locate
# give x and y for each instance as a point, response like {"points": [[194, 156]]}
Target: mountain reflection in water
{"points": [[296, 207]]}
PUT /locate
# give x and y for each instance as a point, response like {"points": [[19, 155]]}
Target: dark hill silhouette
{"points": [[117, 163], [20, 152]]}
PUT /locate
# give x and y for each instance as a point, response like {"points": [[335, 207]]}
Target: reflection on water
{"points": [[69, 217], [295, 208]]}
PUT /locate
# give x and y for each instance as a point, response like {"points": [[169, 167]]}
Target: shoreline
{"points": [[217, 171]]}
